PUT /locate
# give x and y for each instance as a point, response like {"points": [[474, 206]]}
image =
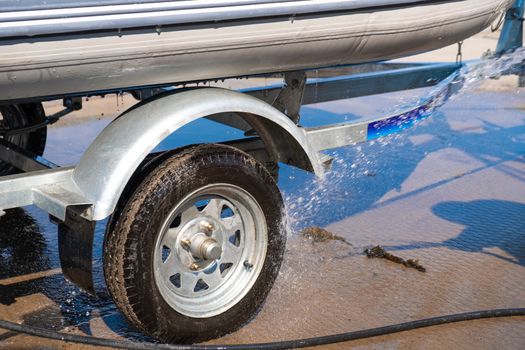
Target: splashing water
{"points": [[360, 174], [475, 74]]}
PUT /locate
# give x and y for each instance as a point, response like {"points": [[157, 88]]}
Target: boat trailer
{"points": [[119, 163]]}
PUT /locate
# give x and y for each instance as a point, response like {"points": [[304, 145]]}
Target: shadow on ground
{"points": [[488, 224], [24, 250], [363, 174]]}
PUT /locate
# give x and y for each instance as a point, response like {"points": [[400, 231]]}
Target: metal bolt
{"points": [[248, 264], [206, 227], [185, 243], [194, 266]]}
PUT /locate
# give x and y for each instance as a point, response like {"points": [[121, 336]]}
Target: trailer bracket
{"points": [[511, 36], [290, 97]]}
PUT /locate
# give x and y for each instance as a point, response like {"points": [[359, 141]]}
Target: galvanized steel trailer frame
{"points": [[78, 196]]}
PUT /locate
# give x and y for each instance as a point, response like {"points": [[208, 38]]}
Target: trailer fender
{"points": [[110, 161]]}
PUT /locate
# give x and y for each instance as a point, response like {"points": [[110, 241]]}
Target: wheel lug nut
{"points": [[194, 266], [206, 227], [185, 243]]}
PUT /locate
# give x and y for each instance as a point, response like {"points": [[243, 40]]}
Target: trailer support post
{"points": [[511, 36]]}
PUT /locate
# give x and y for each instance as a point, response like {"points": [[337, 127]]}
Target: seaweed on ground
{"points": [[380, 252], [318, 234]]}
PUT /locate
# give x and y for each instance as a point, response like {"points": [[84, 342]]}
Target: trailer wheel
{"points": [[19, 116], [198, 245]]}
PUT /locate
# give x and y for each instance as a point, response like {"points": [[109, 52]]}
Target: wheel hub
{"points": [[200, 243], [204, 247]]}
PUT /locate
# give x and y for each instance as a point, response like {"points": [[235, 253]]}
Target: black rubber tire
{"points": [[22, 115], [129, 245]]}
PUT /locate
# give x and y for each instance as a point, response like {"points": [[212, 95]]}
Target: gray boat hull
{"points": [[93, 61]]}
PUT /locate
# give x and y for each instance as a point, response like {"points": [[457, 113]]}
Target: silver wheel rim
{"points": [[210, 250]]}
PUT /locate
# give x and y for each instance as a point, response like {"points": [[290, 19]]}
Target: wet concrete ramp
{"points": [[450, 193]]}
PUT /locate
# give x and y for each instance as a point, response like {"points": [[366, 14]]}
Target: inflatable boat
{"points": [[56, 47]]}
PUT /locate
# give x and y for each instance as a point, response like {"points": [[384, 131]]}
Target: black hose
{"points": [[288, 344]]}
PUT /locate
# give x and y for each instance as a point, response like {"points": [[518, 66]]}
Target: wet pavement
{"points": [[449, 192]]}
